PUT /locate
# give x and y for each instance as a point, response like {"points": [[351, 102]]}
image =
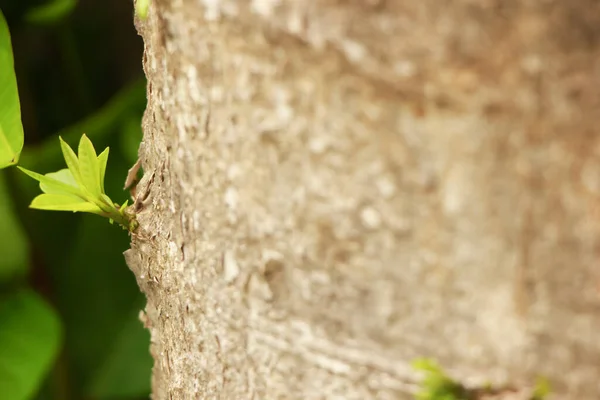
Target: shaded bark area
{"points": [[339, 187]]}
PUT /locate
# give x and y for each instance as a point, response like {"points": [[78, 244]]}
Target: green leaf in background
{"points": [[95, 277], [100, 126], [14, 248], [51, 12], [126, 369], [11, 128], [29, 342]]}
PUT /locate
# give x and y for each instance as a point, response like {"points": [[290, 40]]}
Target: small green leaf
{"points": [[125, 367], [51, 12], [427, 365], [107, 200], [11, 128], [89, 166], [436, 385], [72, 162], [81, 186], [50, 184], [29, 342], [141, 8], [65, 176], [63, 202], [102, 161], [541, 389]]}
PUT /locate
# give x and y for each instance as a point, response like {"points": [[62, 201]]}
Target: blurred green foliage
{"points": [[29, 342], [11, 129], [68, 302]]}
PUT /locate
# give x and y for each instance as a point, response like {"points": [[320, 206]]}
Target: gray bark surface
{"points": [[338, 187]]}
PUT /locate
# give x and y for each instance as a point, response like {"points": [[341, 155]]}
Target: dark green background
{"points": [[78, 71]]}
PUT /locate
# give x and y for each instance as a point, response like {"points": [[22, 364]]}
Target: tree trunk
{"points": [[335, 188]]}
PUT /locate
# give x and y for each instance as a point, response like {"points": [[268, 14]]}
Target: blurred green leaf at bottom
{"points": [[30, 335], [126, 369]]}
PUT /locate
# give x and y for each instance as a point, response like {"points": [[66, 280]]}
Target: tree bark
{"points": [[335, 188]]}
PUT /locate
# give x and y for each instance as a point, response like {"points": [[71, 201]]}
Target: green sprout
{"points": [[141, 8], [436, 385], [541, 389], [80, 187]]}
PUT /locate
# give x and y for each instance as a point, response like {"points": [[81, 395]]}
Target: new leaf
{"points": [[102, 161], [65, 176], [72, 161], [63, 202], [54, 183], [89, 167], [80, 188]]}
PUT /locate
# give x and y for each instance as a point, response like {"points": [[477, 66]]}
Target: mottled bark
{"points": [[339, 187]]}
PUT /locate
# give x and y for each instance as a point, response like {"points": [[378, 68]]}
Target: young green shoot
{"points": [[436, 385], [80, 187], [141, 8]]}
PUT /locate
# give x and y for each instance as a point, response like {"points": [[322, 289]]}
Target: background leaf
{"points": [[14, 249], [29, 343], [51, 12], [11, 129], [99, 125], [107, 294], [124, 372]]}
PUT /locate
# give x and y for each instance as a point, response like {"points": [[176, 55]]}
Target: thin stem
{"points": [[123, 218]]}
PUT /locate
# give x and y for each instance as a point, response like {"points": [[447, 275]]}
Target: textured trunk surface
{"points": [[339, 187]]}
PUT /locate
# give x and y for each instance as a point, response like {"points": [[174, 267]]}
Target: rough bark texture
{"points": [[339, 187]]}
